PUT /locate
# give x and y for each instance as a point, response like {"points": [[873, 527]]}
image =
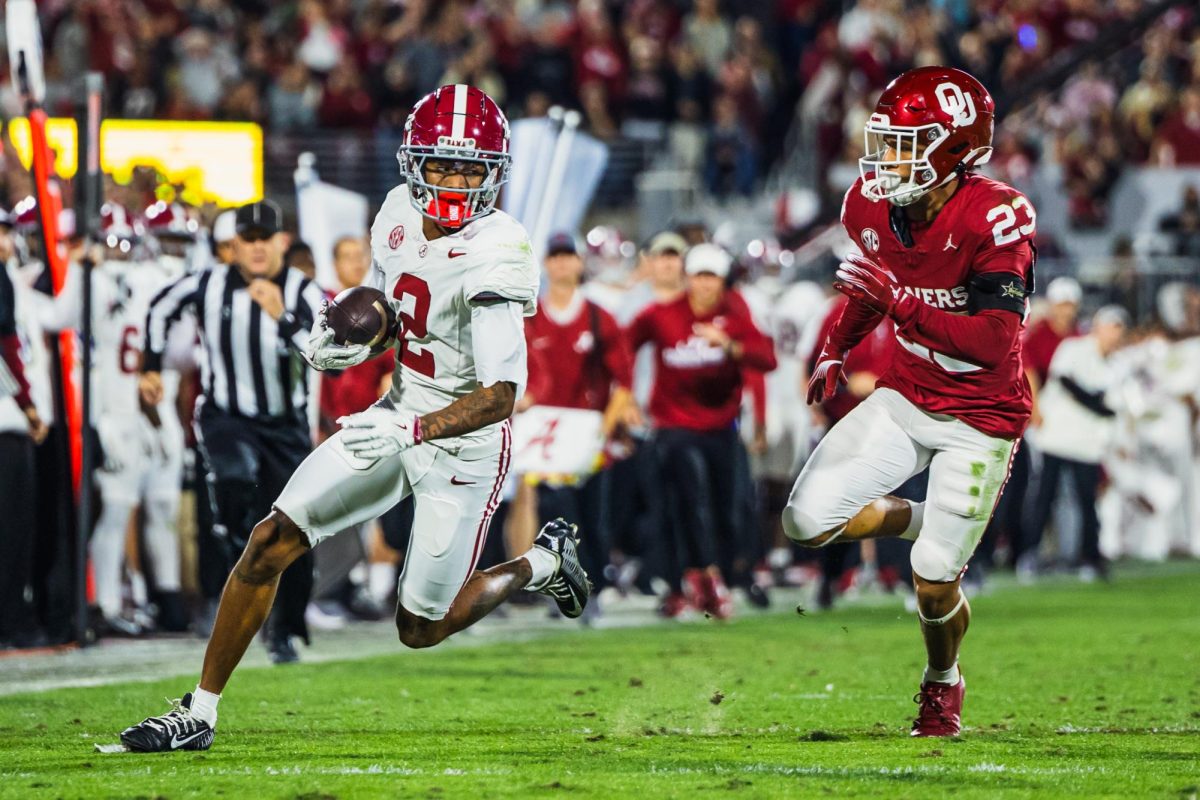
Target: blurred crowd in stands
{"points": [[719, 82]]}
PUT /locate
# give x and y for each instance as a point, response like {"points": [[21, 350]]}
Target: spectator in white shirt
{"points": [[1077, 426]]}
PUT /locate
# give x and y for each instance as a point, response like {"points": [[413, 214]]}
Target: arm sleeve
{"points": [[296, 322], [498, 344], [13, 382], [640, 331], [758, 351], [855, 323], [165, 310], [1092, 401], [755, 381], [64, 310], [617, 358], [985, 339]]}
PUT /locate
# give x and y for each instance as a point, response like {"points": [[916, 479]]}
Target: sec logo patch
{"points": [[396, 237], [870, 240]]}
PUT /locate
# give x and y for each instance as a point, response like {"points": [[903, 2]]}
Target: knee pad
{"points": [[933, 560], [803, 528]]}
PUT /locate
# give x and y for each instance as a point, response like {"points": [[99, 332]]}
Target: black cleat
{"points": [[175, 730], [569, 586]]}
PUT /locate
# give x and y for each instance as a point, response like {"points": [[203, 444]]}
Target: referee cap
{"points": [[263, 217]]}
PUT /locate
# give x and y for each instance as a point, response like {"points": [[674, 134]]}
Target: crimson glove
{"points": [[826, 374], [869, 283]]}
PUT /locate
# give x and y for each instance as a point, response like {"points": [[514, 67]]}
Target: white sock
{"points": [[381, 580], [544, 564], [204, 706], [949, 676], [914, 524], [137, 589]]}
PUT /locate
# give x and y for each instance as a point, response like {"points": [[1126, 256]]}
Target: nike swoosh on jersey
{"points": [[456, 253], [456, 482], [177, 743]]}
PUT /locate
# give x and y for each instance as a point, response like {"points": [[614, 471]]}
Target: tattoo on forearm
{"points": [[484, 406]]}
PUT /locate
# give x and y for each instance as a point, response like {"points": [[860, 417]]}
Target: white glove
{"points": [[379, 433], [323, 354]]}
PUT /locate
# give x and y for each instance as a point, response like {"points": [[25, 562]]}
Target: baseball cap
{"points": [[707, 258], [1064, 290], [561, 242], [263, 217], [224, 227], [1111, 315], [667, 242]]}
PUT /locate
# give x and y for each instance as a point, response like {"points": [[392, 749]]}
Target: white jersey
{"points": [[121, 292], [431, 284]]}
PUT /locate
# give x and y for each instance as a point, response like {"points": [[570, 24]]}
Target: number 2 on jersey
{"points": [[418, 360], [1005, 231]]}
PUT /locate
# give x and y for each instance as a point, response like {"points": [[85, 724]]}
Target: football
{"points": [[361, 315]]}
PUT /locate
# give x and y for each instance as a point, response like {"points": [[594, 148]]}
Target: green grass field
{"points": [[1073, 691]]}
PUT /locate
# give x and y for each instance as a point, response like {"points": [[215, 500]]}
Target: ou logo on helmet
{"points": [[956, 103]]}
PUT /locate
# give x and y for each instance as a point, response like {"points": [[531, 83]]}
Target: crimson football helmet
{"points": [[936, 120], [170, 220], [456, 123], [119, 231]]}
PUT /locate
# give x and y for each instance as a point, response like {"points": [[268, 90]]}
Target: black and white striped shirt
{"points": [[252, 364]]}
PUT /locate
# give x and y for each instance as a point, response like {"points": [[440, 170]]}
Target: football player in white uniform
{"points": [[462, 277], [142, 449]]}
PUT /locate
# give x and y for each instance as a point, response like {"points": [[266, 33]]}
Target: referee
{"points": [[254, 316]]}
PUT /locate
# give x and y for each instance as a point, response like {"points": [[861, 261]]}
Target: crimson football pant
{"points": [[587, 506], [699, 475], [250, 462]]}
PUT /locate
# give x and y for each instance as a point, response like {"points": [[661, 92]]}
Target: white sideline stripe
{"points": [[751, 769], [459, 128]]}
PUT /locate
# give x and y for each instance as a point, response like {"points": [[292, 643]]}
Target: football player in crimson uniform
{"points": [[462, 279], [948, 256]]}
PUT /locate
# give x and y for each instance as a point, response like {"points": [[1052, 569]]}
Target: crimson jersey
{"points": [[697, 385], [576, 356], [985, 229]]}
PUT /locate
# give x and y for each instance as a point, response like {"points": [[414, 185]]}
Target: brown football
{"points": [[361, 315]]}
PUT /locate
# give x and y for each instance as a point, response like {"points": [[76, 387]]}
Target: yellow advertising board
{"points": [[216, 162]]}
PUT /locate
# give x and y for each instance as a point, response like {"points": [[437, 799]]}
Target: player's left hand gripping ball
{"points": [[379, 433], [869, 283], [322, 353]]}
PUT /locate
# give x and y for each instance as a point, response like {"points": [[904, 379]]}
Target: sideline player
{"points": [[142, 445], [948, 255], [462, 277]]}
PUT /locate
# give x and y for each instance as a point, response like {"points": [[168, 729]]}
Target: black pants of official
{"points": [[18, 498], [1085, 480], [587, 506], [638, 524], [699, 472], [249, 462]]}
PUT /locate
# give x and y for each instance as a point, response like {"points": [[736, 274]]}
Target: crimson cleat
{"points": [[718, 601], [675, 605], [940, 709]]}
